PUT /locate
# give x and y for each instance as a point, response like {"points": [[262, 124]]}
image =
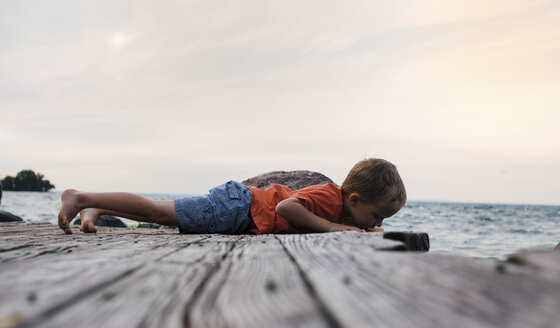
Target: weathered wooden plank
{"points": [[23, 253], [544, 260], [37, 286], [257, 285], [333, 269], [6, 229], [53, 242], [34, 235], [123, 277], [372, 240], [362, 287], [154, 295]]}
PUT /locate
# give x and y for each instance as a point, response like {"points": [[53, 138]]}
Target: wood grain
{"points": [[256, 285], [159, 278], [363, 287]]}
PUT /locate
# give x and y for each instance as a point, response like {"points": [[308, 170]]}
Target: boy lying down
{"points": [[372, 192]]}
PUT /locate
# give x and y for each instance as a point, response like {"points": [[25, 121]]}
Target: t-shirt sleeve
{"points": [[323, 200]]}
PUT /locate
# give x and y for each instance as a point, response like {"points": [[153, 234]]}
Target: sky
{"points": [[180, 96]]}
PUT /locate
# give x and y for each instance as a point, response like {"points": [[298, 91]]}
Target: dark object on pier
{"points": [[414, 241], [105, 221], [9, 217], [294, 180]]}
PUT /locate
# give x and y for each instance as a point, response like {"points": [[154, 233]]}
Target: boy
{"points": [[372, 191]]}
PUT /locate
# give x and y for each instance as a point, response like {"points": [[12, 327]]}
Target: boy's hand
{"points": [[343, 227]]}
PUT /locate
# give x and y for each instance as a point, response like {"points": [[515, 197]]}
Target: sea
{"points": [[481, 230]]}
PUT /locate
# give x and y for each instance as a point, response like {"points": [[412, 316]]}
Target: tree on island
{"points": [[26, 180]]}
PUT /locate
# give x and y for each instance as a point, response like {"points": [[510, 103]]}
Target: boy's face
{"points": [[365, 215]]}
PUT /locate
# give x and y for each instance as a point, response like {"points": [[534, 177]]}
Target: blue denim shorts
{"points": [[226, 209]]}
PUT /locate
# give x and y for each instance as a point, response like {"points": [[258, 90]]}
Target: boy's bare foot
{"points": [[89, 216], [68, 210]]}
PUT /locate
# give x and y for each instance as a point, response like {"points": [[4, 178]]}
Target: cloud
{"points": [[171, 88]]}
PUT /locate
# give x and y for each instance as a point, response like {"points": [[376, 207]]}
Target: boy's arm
{"points": [[293, 210]]}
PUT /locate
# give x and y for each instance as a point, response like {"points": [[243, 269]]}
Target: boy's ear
{"points": [[354, 198]]}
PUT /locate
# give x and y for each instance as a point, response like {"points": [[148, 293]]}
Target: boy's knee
{"points": [[163, 212]]}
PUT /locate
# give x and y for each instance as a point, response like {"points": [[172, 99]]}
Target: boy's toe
{"points": [[67, 229], [88, 227], [65, 226]]}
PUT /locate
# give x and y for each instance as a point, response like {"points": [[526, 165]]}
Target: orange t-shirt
{"points": [[323, 200]]}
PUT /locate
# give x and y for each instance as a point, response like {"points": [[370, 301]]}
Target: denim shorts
{"points": [[226, 209]]}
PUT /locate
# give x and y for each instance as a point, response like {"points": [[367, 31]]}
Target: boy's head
{"points": [[372, 191]]}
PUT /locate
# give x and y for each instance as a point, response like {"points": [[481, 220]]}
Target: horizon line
{"points": [[408, 200]]}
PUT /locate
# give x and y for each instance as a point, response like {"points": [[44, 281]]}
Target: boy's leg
{"points": [[127, 204]]}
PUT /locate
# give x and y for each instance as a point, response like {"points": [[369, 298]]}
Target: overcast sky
{"points": [[180, 96]]}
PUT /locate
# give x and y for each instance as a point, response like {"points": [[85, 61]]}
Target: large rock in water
{"points": [[292, 179], [9, 217], [105, 221]]}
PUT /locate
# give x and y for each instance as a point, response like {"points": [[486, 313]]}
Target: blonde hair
{"points": [[375, 179]]}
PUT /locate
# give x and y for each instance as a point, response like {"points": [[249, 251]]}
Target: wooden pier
{"points": [[159, 278]]}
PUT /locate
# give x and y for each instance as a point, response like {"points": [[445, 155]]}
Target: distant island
{"points": [[26, 180]]}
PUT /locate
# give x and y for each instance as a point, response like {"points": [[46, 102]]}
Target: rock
{"points": [[557, 247], [0, 192], [292, 179], [9, 217], [105, 221], [414, 241]]}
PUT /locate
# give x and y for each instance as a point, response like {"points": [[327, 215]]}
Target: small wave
{"points": [[525, 231], [483, 207]]}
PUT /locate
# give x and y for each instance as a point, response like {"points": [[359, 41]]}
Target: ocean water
{"points": [[491, 231]]}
